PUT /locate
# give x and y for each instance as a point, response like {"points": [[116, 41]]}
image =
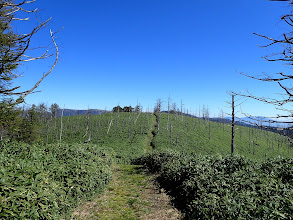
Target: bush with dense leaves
{"points": [[47, 182], [231, 187]]}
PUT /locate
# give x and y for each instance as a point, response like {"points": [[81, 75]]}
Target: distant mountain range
{"points": [[258, 120], [228, 120], [73, 112]]}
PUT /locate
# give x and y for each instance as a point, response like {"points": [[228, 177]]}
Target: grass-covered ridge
{"points": [[47, 182], [231, 187]]}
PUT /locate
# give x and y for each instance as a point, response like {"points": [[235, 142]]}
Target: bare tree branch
{"points": [[46, 74], [14, 51]]}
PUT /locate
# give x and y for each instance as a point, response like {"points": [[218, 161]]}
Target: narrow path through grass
{"points": [[132, 194]]}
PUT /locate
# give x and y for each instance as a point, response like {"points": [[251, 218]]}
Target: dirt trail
{"points": [[132, 194]]}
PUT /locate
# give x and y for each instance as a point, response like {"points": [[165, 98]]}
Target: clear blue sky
{"points": [[129, 51]]}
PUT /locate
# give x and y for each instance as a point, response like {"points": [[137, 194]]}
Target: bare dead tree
{"points": [[15, 47], [158, 106], [169, 103], [174, 110], [89, 139], [109, 126], [233, 105], [171, 127], [61, 126], [222, 117], [157, 111], [281, 79], [233, 125], [141, 121], [181, 110]]}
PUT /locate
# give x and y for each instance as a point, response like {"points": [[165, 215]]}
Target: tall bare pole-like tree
{"points": [[233, 125], [169, 106], [233, 104], [181, 110], [158, 106], [61, 125]]}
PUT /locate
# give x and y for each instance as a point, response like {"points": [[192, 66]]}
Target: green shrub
{"points": [[47, 182], [231, 187]]}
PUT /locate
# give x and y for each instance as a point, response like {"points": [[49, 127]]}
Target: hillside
{"points": [[78, 156], [196, 135], [132, 131], [128, 134]]}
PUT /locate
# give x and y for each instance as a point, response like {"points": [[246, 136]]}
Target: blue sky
{"points": [[130, 51]]}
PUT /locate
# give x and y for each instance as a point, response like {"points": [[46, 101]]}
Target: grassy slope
{"points": [[128, 134], [192, 135]]}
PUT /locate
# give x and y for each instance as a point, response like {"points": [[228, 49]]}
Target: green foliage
{"points": [[22, 125], [29, 129], [127, 109], [8, 41], [48, 181], [9, 119], [231, 187], [118, 108], [54, 109], [124, 109], [44, 182]]}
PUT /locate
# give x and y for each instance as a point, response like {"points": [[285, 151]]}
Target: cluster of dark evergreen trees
{"points": [[24, 123], [118, 108]]}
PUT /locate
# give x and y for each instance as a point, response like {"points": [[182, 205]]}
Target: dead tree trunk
{"points": [[209, 130], [109, 126], [171, 134], [169, 99], [61, 126], [233, 126]]}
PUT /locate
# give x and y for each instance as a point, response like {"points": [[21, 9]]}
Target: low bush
{"points": [[231, 187], [47, 182]]}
